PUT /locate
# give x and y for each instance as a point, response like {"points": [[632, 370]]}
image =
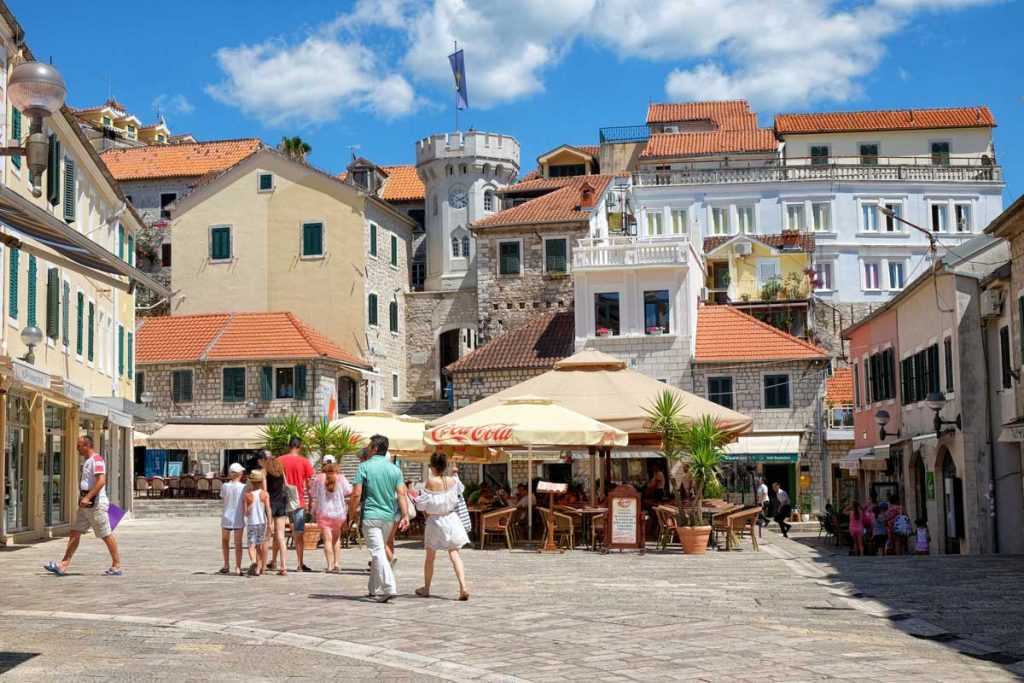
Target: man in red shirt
{"points": [[297, 472]]}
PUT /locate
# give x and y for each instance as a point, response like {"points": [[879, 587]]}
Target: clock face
{"points": [[458, 199]]}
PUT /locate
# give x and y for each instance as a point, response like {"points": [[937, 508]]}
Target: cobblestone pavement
{"points": [[790, 612]]}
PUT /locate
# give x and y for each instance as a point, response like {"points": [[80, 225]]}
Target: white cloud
{"points": [[172, 104]]}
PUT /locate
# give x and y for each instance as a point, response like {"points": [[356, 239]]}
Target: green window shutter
{"points": [[181, 386], [373, 239], [92, 330], [12, 280], [394, 250], [120, 349], [69, 190], [33, 275], [16, 135], [131, 250], [266, 383], [300, 382], [234, 385], [131, 354], [65, 326], [371, 313], [80, 325], [220, 244], [393, 316], [53, 172], [52, 303], [312, 239], [120, 241]]}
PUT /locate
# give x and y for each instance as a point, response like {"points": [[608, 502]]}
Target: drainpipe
{"points": [[991, 440]]}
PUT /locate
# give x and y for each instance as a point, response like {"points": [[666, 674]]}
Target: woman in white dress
{"points": [[444, 530]]}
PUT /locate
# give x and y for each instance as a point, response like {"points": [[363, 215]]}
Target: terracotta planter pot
{"points": [[694, 539], [311, 536]]}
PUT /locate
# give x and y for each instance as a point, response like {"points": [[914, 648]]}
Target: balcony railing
{"points": [[615, 134], [837, 169], [618, 252]]}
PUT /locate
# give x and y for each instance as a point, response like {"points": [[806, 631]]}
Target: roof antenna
{"points": [[352, 150]]}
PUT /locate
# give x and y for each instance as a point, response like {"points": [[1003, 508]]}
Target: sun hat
{"points": [[330, 460], [236, 468], [256, 476]]}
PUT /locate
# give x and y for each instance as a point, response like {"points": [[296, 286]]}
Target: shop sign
{"points": [[74, 392], [1016, 432], [535, 456], [929, 485], [624, 526], [120, 419], [482, 434], [26, 374], [762, 457], [93, 407]]}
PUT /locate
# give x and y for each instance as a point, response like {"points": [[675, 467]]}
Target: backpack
{"points": [[902, 525]]}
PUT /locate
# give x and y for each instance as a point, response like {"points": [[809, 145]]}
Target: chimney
{"points": [[586, 194]]}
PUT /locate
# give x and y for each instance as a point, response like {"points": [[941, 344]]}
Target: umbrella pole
{"points": [[529, 491], [593, 476]]}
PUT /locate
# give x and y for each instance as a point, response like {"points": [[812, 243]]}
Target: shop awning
{"points": [[774, 448], [25, 218], [871, 458], [235, 435]]}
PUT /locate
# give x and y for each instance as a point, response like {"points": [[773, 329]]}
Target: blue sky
{"points": [[374, 74]]}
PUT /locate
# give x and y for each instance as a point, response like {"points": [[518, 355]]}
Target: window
{"points": [[920, 375], [745, 218], [52, 303], [418, 275], [776, 391], [869, 154], [939, 217], [33, 277], [371, 310], [394, 386], [489, 200], [165, 255], [566, 170], [872, 218], [393, 316], [870, 275], [655, 223], [284, 383], [606, 313], [657, 312], [720, 220], [181, 386], [869, 217], [373, 239], [80, 323], [509, 258], [962, 212], [394, 250], [767, 270], [940, 153], [895, 211], [840, 417], [823, 276], [819, 155], [166, 199], [1005, 363], [679, 223], [234, 385], [880, 370], [856, 385], [896, 275], [822, 215], [720, 391], [456, 246], [65, 320], [312, 240], [556, 255], [664, 174], [449, 170], [107, 121], [264, 182], [140, 386], [795, 219], [465, 246], [947, 349], [12, 282], [220, 243], [69, 190]]}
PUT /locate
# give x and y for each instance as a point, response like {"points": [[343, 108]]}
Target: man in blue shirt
{"points": [[379, 491]]}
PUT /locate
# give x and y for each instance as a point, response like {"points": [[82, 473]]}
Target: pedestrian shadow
{"points": [[9, 660], [349, 598]]}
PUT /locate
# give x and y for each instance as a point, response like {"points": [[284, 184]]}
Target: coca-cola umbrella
{"points": [[405, 436], [525, 422]]}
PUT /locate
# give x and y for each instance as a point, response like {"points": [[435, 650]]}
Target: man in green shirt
{"points": [[379, 491]]}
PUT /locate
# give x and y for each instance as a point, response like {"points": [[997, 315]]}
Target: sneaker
{"points": [[383, 598]]}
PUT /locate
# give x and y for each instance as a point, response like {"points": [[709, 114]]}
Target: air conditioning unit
{"points": [[742, 248], [704, 294], [992, 302]]}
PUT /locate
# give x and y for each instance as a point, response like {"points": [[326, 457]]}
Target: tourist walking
{"points": [[297, 472], [856, 527], [278, 511], [783, 508], [329, 509], [879, 529], [92, 512], [257, 515], [439, 500], [898, 526], [379, 491], [765, 501], [232, 518]]}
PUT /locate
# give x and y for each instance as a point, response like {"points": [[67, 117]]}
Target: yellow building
{"points": [[111, 126], [766, 276], [66, 266]]}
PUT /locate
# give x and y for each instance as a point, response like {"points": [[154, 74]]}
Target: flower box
{"points": [[655, 331], [603, 332]]}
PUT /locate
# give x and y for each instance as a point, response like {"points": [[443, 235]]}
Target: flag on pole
{"points": [[459, 72]]}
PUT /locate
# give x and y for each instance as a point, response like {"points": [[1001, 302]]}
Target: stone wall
{"points": [[663, 357], [831, 318], [507, 301], [489, 382], [427, 315]]}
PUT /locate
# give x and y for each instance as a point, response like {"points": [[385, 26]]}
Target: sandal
{"points": [[422, 592], [114, 572], [282, 572], [464, 596], [224, 570]]}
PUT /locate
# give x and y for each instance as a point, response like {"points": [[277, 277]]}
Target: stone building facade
{"points": [[428, 316]]}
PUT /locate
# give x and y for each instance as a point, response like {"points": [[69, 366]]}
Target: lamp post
{"points": [[38, 91], [936, 401], [147, 397], [882, 418], [31, 337]]}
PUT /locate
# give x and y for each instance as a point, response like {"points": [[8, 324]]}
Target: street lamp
{"points": [[147, 397], [936, 401], [251, 406], [882, 418], [32, 337], [38, 91]]}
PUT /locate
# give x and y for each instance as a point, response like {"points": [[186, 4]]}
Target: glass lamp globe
{"points": [[36, 88], [935, 400], [32, 336], [882, 418]]}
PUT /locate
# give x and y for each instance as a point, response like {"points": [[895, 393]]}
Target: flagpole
{"points": [[456, 92]]}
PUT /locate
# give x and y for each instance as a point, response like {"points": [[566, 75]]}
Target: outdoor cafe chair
{"points": [[564, 530], [187, 485], [215, 486], [496, 523], [666, 525], [141, 485], [202, 487], [156, 486], [173, 486]]}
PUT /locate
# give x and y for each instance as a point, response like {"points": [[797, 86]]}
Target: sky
{"points": [[372, 77]]}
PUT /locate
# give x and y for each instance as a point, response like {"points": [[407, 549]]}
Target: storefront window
{"points": [[16, 464], [656, 312], [53, 467]]}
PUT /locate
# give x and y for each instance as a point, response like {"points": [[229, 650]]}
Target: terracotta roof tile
{"points": [[562, 205], [839, 387], [713, 142], [728, 334], [893, 119], [178, 161], [804, 242], [689, 111], [403, 184], [538, 344], [592, 150], [234, 336]]}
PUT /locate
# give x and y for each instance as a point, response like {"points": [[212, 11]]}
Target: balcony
{"points": [[629, 252], [837, 169]]}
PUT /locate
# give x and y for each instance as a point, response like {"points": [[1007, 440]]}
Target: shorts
{"points": [[332, 523], [256, 534], [94, 518], [298, 521]]}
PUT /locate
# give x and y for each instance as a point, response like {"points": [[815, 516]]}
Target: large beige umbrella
{"points": [[404, 433]]}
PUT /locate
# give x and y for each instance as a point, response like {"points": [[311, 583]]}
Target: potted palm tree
{"points": [[698, 447]]}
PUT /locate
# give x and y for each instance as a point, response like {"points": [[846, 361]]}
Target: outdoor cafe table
{"points": [[587, 515]]}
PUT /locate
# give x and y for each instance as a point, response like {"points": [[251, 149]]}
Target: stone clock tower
{"points": [[462, 173]]}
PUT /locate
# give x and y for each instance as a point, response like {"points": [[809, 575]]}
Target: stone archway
{"points": [[951, 503], [917, 502]]}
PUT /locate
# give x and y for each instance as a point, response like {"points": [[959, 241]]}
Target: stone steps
{"points": [[177, 507]]}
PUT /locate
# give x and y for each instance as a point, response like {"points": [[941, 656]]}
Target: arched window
{"points": [[465, 246], [393, 316], [463, 169], [449, 170], [456, 246], [489, 200], [487, 169], [371, 310]]}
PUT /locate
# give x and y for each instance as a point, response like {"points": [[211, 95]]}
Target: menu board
{"points": [[624, 524]]}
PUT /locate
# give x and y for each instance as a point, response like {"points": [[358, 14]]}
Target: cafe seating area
{"points": [[184, 486]]}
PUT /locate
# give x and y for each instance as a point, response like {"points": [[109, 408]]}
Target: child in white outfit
{"points": [[232, 519]]}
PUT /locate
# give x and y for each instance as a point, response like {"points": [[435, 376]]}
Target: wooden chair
{"points": [[564, 529], [187, 486], [215, 486], [173, 486], [496, 523], [666, 525], [156, 486], [738, 523], [141, 485], [202, 487]]}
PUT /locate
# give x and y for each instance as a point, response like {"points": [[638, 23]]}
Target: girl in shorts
{"points": [[330, 511]]}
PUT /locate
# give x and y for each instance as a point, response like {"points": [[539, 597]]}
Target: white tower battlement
{"points": [[492, 147]]}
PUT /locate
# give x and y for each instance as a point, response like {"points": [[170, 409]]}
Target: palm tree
{"points": [[295, 148], [278, 433], [329, 439]]}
